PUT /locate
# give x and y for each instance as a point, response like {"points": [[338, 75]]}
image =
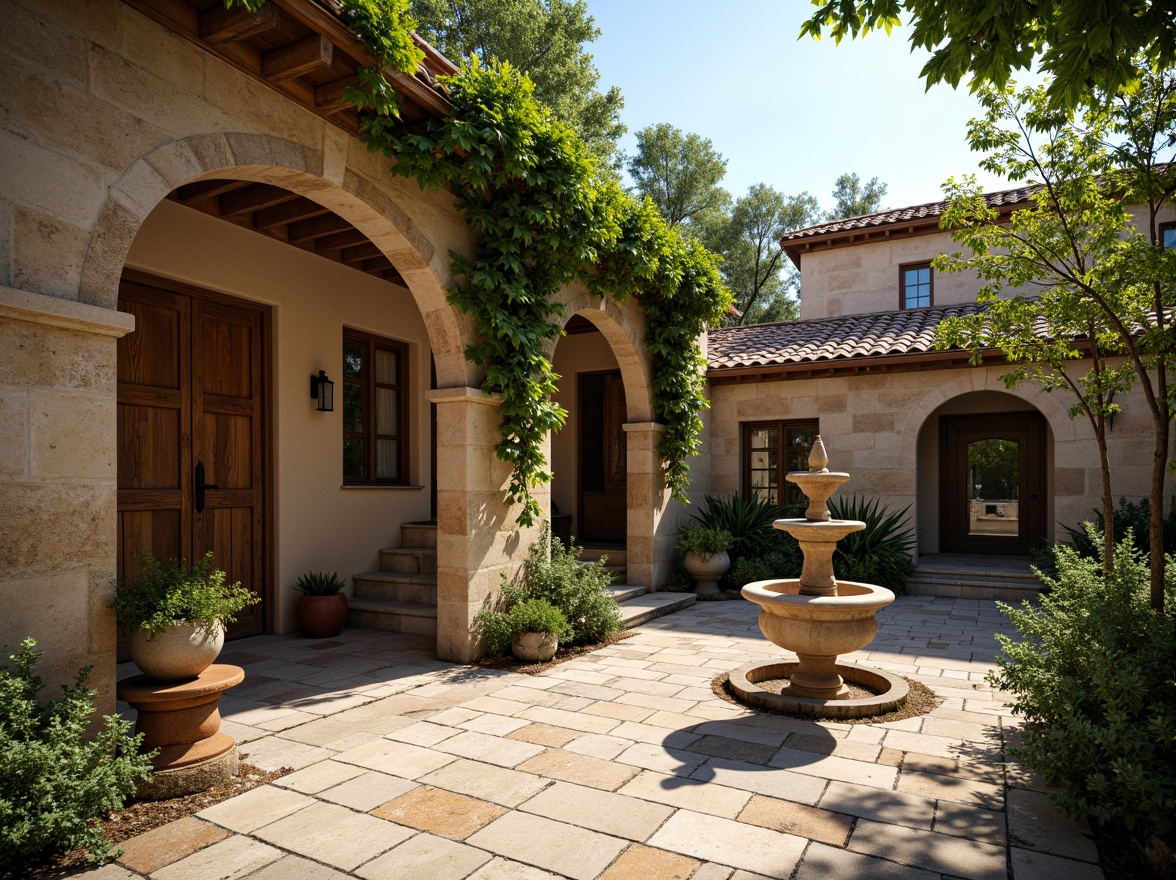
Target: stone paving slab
{"points": [[620, 764]]}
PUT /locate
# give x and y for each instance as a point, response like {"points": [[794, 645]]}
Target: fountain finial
{"points": [[818, 457]]}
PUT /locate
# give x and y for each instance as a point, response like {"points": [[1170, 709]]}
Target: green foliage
{"points": [[1131, 522], [500, 629], [1092, 677], [679, 171], [748, 519], [548, 40], [319, 583], [782, 563], [159, 595], [1079, 42], [852, 199], [555, 575], [879, 553], [56, 779], [704, 541]]}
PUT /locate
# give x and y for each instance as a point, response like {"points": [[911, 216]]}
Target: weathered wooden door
{"points": [[993, 499], [603, 458], [192, 387]]}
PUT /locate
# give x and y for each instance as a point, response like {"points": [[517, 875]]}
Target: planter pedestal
{"points": [[182, 720]]}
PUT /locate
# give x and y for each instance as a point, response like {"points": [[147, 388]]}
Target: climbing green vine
{"points": [[544, 216]]}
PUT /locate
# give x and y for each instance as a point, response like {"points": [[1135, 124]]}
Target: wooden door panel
{"points": [[151, 452], [153, 355], [228, 439]]}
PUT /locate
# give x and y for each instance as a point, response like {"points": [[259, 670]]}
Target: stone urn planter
{"points": [[706, 569], [181, 651], [535, 647], [321, 617]]}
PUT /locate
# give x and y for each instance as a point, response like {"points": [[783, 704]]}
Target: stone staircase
{"points": [[402, 595], [1007, 578]]}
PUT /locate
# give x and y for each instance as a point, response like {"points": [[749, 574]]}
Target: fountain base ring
{"points": [[892, 690]]}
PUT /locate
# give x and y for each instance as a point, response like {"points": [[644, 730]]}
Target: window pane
{"points": [[353, 457], [994, 470], [352, 358], [763, 438], [1169, 237], [387, 367], [387, 411], [352, 408], [387, 459]]}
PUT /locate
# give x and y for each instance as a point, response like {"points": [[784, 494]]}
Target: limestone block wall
{"points": [[883, 430]]}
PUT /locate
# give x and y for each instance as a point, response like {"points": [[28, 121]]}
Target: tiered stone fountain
{"points": [[818, 617]]}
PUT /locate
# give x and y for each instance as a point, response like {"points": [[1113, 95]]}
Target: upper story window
{"points": [[770, 450], [914, 285], [1168, 236], [375, 409]]}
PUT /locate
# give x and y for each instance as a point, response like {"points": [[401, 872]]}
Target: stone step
{"points": [[966, 586], [421, 560], [390, 616], [625, 592], [643, 608], [396, 586], [418, 535], [616, 555], [619, 572]]}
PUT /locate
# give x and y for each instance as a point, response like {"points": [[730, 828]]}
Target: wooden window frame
{"points": [[782, 426], [903, 268], [1164, 227], [368, 384]]}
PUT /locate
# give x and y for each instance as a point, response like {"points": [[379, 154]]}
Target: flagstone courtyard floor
{"points": [[620, 764]]}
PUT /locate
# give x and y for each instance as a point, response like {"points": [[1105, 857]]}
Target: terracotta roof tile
{"points": [[829, 339], [914, 213]]}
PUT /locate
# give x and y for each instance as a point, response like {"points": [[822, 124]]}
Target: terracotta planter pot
{"points": [[320, 617], [535, 647], [707, 570], [179, 652]]}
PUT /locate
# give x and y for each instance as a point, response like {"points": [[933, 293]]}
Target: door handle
{"points": [[201, 486]]}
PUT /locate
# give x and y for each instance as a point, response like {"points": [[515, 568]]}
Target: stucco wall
{"points": [[318, 523], [882, 429]]}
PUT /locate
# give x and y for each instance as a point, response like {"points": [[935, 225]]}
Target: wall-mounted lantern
{"points": [[322, 389]]}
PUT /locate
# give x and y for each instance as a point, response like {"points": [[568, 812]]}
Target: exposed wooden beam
{"points": [[219, 25], [201, 190], [253, 198], [360, 253], [339, 240], [296, 209], [298, 59], [307, 230], [328, 98], [376, 264]]}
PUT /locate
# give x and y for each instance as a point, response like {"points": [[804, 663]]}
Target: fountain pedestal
{"points": [[817, 616]]}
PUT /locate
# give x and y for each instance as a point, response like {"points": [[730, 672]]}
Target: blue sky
{"points": [[792, 114]]}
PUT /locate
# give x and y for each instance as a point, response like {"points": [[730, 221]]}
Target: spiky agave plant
{"points": [[879, 553]]}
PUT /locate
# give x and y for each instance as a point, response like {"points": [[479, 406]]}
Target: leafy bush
{"points": [[54, 780], [747, 519], [578, 591], [532, 615], [1093, 679], [704, 541], [879, 553], [762, 568], [1131, 521], [162, 595], [319, 583]]}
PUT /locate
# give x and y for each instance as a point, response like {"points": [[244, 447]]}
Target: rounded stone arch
{"points": [[623, 329], [266, 159]]}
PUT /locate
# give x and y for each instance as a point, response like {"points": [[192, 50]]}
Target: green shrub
{"points": [[1130, 520], [747, 519], [531, 615], [762, 568], [54, 781], [1093, 679], [319, 583], [159, 595], [555, 574], [879, 553], [704, 541]]}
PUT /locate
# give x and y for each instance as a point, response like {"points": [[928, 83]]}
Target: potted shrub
{"points": [[177, 614], [706, 556], [322, 607], [531, 629]]}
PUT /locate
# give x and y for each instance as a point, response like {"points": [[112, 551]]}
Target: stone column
{"points": [[478, 539], [58, 468], [652, 535]]}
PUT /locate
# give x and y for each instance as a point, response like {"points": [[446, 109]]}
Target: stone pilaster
{"points": [[652, 534], [478, 539]]}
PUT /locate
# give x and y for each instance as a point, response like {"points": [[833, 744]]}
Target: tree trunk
{"points": [[1108, 500]]}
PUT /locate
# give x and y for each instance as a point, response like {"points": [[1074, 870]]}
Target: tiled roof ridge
{"points": [[925, 310]]}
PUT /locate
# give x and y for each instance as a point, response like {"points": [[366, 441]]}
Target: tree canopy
{"points": [[1081, 44], [546, 40], [852, 199], [679, 171], [1080, 287]]}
